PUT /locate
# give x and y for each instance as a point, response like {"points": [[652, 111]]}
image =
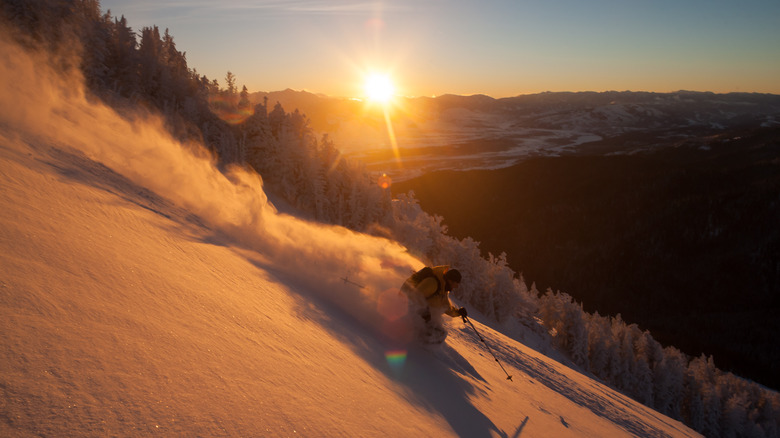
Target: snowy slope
{"points": [[144, 292]]}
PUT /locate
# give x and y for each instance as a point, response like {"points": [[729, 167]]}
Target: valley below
{"points": [[681, 239]]}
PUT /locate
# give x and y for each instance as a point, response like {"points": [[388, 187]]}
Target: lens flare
{"points": [[396, 359], [380, 93], [384, 181], [392, 304], [227, 108]]}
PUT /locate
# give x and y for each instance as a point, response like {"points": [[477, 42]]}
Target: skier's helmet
{"points": [[453, 275]]}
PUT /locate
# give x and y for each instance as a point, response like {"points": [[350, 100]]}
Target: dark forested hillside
{"points": [[684, 241]]}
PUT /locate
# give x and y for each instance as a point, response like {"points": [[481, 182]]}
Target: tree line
{"points": [[132, 70]]}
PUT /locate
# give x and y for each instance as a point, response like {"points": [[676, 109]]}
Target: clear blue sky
{"points": [[494, 47]]}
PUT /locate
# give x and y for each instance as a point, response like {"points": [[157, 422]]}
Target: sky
{"points": [[500, 48]]}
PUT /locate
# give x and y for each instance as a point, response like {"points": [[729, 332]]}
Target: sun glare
{"points": [[379, 88]]}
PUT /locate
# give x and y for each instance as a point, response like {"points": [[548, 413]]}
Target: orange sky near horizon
{"points": [[502, 49]]}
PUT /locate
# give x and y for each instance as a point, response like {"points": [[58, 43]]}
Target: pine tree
{"points": [[669, 381], [619, 368], [702, 402], [123, 78], [734, 422], [95, 38], [644, 360], [577, 332], [148, 58], [244, 102], [507, 290], [551, 312], [413, 227], [599, 341], [276, 119]]}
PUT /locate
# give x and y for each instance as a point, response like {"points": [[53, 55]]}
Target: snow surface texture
{"points": [[143, 291]]}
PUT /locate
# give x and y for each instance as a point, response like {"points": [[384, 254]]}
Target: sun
{"points": [[379, 88]]}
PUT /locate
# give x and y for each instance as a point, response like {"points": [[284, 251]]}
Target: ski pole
{"points": [[466, 320]]}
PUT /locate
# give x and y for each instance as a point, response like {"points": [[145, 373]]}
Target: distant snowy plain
{"points": [[412, 136], [462, 139]]}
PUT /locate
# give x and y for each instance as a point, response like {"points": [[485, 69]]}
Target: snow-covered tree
{"points": [[734, 420], [668, 382], [600, 344], [619, 366], [413, 227], [566, 320], [577, 332], [645, 351], [702, 404]]}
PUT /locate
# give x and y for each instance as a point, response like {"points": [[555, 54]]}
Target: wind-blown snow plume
{"points": [[44, 104]]}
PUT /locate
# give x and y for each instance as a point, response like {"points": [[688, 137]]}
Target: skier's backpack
{"points": [[421, 275]]}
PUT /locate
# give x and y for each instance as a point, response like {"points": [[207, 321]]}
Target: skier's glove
{"points": [[462, 312]]}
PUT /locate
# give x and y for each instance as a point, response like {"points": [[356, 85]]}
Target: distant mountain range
{"points": [[481, 132]]}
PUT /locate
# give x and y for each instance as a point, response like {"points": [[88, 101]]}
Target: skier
{"points": [[428, 291]]}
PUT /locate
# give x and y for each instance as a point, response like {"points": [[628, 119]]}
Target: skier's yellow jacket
{"points": [[433, 291]]}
